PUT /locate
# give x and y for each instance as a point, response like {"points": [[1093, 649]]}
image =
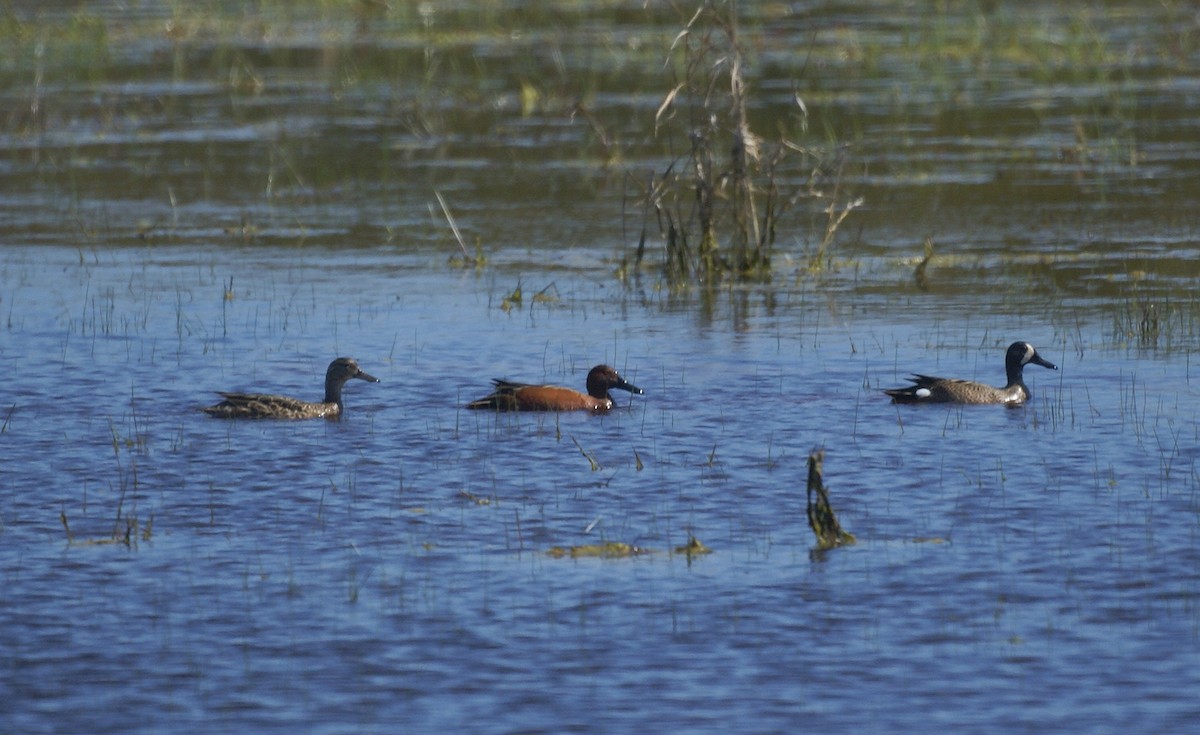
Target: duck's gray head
{"points": [[1021, 354], [341, 370]]}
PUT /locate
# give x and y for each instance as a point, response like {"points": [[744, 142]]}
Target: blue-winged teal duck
{"points": [[510, 396], [927, 389], [261, 406]]}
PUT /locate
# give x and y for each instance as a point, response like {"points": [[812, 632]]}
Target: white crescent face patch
{"points": [[923, 393], [1029, 353]]}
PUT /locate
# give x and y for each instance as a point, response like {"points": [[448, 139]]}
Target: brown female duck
{"points": [[263, 406]]}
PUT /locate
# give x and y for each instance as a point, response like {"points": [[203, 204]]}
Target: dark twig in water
{"points": [[920, 274], [820, 513]]}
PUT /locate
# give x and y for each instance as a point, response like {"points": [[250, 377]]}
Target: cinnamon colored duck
{"points": [[264, 406], [928, 389], [510, 396]]}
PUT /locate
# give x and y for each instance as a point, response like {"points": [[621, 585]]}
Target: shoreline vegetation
{"points": [[718, 206], [730, 143]]}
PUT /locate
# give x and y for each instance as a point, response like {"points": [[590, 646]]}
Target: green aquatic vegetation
{"points": [[512, 300], [548, 295], [693, 547], [129, 534], [589, 456], [619, 550], [608, 550]]}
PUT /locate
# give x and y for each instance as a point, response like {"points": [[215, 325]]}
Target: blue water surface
{"points": [[1024, 569], [197, 197]]}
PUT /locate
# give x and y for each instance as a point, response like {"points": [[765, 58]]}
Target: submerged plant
{"points": [[127, 535], [821, 518], [590, 457], [608, 550], [693, 547]]}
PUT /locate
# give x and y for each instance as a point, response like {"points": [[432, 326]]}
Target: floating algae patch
{"points": [[127, 537], [693, 547], [821, 518], [617, 550], [611, 550]]}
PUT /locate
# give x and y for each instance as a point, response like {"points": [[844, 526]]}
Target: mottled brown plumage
{"points": [[265, 406], [928, 389]]}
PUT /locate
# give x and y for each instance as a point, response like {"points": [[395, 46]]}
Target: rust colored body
{"points": [[510, 396]]}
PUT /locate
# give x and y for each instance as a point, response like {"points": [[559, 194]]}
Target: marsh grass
{"points": [[128, 531], [718, 205], [1160, 324], [128, 528], [463, 259], [733, 159], [589, 456]]}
